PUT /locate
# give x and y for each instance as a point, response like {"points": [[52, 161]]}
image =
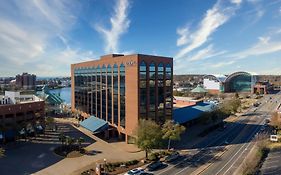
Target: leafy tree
{"points": [[2, 151], [231, 106], [50, 120], [80, 141], [149, 135], [172, 131], [62, 138]]}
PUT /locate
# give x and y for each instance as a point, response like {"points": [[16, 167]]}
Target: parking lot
{"points": [[271, 165]]}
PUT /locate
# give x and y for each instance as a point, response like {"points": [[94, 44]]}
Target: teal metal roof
{"points": [[185, 114], [94, 124], [199, 89]]}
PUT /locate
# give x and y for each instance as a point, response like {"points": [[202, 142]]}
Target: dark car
{"points": [[172, 157], [154, 165]]}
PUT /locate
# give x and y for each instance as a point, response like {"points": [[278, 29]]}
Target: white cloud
{"points": [[222, 64], [119, 25], [205, 53], [213, 19], [27, 33], [183, 33], [238, 2], [265, 45]]}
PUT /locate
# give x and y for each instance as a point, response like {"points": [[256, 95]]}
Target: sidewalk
{"points": [[100, 150]]}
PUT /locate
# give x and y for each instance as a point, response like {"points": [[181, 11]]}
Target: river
{"points": [[64, 93]]}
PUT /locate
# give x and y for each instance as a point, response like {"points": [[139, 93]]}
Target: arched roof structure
{"points": [[239, 82]]}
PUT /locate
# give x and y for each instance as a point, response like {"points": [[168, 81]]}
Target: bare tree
{"points": [[276, 121]]}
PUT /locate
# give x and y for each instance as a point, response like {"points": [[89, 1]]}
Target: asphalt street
{"points": [[231, 145]]}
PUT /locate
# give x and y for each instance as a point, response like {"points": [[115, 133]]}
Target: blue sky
{"points": [[203, 36]]}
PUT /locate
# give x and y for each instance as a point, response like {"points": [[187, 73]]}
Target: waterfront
{"points": [[64, 93]]}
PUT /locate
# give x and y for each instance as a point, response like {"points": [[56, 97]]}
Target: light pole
{"points": [[105, 168]]}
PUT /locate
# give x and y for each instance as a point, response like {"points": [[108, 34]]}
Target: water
{"points": [[65, 94]]}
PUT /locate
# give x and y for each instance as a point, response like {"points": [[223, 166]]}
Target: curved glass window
{"points": [[143, 90], [115, 94], [240, 83], [122, 96], [109, 94]]}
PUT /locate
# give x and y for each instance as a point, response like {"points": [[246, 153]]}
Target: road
{"points": [[223, 152]]}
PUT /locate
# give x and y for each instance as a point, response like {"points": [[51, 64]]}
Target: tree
{"points": [[62, 138], [80, 141], [231, 106], [275, 121], [2, 151], [172, 131], [149, 135]]}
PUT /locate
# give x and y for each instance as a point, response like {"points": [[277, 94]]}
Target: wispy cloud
{"points": [[119, 25], [183, 36], [27, 33], [222, 64], [213, 19], [265, 45], [238, 2], [205, 53]]}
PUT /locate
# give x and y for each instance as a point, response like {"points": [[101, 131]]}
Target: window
{"points": [[161, 95], [122, 96], [143, 90], [103, 92], [109, 94], [98, 82], [152, 91], [115, 94]]}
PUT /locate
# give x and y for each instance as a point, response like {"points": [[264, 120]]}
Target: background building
{"points": [[26, 81], [122, 89], [20, 113], [214, 83], [239, 82]]}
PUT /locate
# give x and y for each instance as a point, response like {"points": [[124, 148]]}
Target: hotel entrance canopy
{"points": [[94, 124]]}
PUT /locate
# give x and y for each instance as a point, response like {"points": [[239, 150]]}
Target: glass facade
{"points": [[143, 90], [109, 94], [115, 94], [161, 94], [98, 91], [168, 92], [122, 95], [152, 92], [240, 83], [155, 82]]}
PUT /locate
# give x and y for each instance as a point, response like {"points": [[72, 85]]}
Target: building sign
{"points": [[131, 63]]}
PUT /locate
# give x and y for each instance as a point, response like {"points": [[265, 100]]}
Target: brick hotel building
{"points": [[121, 89]]}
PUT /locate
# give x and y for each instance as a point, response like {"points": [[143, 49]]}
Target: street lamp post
{"points": [[105, 168]]}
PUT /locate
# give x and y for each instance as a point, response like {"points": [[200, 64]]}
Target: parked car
{"points": [[172, 157], [154, 165], [136, 171]]}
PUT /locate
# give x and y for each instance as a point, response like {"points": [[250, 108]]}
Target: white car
{"points": [[136, 171]]}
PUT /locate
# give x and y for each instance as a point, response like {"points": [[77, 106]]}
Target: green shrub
{"points": [[153, 156]]}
